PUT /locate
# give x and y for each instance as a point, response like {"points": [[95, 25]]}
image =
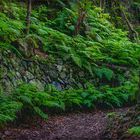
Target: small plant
{"points": [[34, 101], [8, 109], [111, 115], [134, 131]]}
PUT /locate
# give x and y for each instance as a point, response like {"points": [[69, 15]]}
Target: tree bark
{"points": [[102, 4], [132, 31], [138, 97], [80, 20], [28, 18]]}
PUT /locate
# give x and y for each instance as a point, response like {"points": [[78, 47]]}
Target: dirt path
{"points": [[81, 126], [78, 126]]}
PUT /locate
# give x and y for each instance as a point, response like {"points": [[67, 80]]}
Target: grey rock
{"points": [[57, 85], [81, 74], [59, 68], [18, 74], [7, 133], [79, 85], [7, 85], [38, 84], [29, 75], [63, 75], [53, 74], [60, 61]]}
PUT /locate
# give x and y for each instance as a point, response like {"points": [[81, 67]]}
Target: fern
{"points": [[8, 109], [107, 73], [40, 112], [10, 30], [134, 131], [28, 98]]}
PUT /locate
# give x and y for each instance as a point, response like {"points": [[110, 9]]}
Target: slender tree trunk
{"points": [[80, 20], [132, 31], [102, 4], [138, 97], [28, 18]]}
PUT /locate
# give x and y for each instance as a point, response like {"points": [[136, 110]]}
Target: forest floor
{"points": [[73, 126]]}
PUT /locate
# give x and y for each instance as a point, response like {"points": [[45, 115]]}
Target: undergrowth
{"points": [[28, 100], [101, 43], [134, 131]]}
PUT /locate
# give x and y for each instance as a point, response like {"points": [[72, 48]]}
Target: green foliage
{"points": [[8, 109], [65, 21], [98, 43], [34, 100], [102, 43], [107, 73], [29, 100], [111, 115], [10, 29], [134, 131]]}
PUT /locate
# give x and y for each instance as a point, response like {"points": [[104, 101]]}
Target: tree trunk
{"points": [[28, 18], [138, 97], [102, 4], [132, 33], [80, 20]]}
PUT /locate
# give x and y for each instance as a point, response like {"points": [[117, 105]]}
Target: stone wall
{"points": [[16, 70]]}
